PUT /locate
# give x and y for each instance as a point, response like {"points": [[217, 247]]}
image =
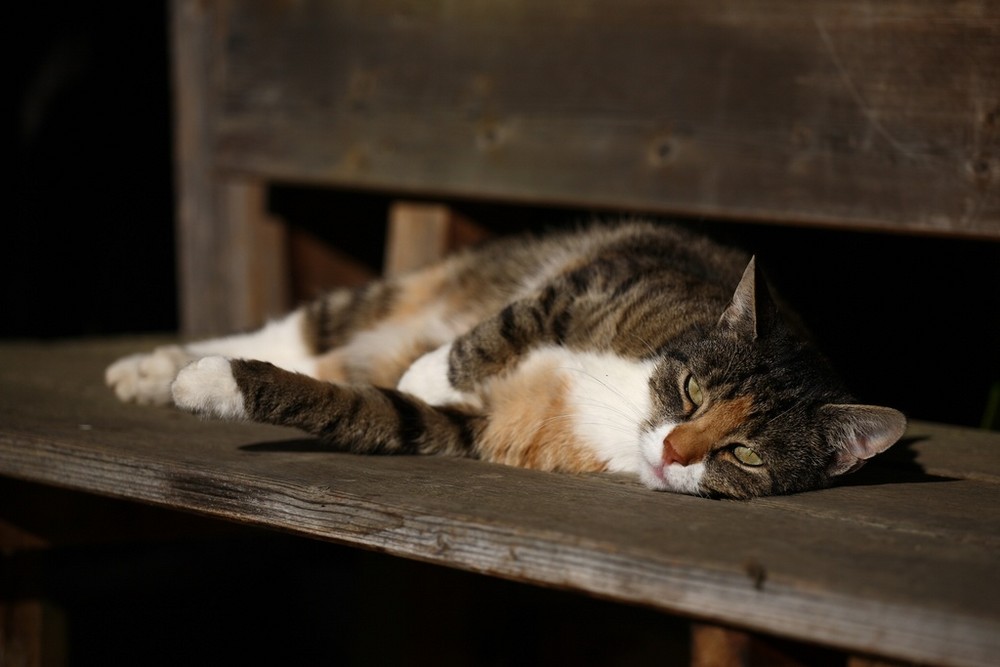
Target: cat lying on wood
{"points": [[635, 347]]}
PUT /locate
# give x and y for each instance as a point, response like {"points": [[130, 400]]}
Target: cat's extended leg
{"points": [[361, 418], [292, 342], [145, 377]]}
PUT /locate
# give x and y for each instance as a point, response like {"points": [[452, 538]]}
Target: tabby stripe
{"points": [[625, 286], [560, 326], [508, 326], [465, 428], [412, 429], [548, 300], [580, 279]]}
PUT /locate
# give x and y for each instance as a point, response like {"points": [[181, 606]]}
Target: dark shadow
{"points": [[296, 446], [898, 465]]}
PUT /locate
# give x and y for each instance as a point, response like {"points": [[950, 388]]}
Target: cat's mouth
{"points": [[654, 475], [657, 475]]}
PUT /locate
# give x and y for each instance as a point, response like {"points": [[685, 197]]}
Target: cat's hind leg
{"points": [[145, 378]]}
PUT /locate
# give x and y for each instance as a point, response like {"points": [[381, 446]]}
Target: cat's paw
{"points": [[207, 387], [145, 378], [427, 379]]}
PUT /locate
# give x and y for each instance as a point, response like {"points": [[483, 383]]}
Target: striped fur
{"points": [[635, 347]]}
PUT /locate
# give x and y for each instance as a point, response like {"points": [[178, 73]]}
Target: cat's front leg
{"points": [[428, 379], [454, 373], [145, 378], [208, 387]]}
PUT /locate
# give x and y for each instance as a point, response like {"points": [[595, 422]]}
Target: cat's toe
{"points": [[207, 386], [145, 378]]}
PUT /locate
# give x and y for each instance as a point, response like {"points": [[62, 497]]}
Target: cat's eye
{"points": [[693, 391], [747, 456]]}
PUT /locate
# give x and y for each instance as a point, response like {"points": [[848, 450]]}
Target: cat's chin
{"points": [[674, 478]]}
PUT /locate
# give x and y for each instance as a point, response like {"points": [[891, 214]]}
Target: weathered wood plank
{"points": [[231, 254], [851, 113], [901, 564]]}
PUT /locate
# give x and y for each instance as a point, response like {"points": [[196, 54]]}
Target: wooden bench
{"points": [[786, 111], [900, 562]]}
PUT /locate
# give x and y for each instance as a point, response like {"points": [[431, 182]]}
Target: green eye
{"points": [[693, 391], [747, 456]]}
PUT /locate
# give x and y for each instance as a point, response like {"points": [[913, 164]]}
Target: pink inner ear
{"points": [[864, 446], [867, 430]]}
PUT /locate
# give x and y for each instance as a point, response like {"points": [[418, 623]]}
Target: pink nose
{"points": [[671, 455]]}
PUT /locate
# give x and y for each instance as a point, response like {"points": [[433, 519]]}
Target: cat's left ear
{"points": [[752, 310], [860, 432]]}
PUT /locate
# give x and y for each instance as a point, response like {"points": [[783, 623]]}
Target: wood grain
{"points": [[857, 114], [900, 563], [232, 255]]}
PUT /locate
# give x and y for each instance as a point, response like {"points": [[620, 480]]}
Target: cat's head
{"points": [[747, 409]]}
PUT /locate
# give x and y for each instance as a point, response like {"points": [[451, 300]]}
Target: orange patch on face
{"points": [[693, 440], [531, 424]]}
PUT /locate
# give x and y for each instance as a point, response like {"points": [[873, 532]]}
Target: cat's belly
{"points": [[568, 411]]}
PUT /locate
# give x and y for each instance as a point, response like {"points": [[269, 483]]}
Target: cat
{"points": [[636, 347]]}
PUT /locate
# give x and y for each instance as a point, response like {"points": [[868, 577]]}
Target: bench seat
{"points": [[900, 561]]}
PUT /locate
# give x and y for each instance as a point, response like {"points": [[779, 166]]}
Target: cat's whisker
{"points": [[601, 405], [633, 335], [625, 399]]}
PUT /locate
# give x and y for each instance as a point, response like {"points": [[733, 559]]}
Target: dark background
{"points": [[912, 322]]}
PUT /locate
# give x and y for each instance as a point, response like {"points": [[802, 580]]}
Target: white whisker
{"points": [[625, 399]]}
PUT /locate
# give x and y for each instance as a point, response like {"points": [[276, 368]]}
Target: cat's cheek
{"points": [[207, 387]]}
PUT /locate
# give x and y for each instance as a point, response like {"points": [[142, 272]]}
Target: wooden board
{"points": [[868, 115], [900, 563]]}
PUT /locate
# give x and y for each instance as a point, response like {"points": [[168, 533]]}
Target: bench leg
{"points": [[420, 234], [714, 646]]}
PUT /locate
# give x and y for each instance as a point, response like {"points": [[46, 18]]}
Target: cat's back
{"points": [[671, 256]]}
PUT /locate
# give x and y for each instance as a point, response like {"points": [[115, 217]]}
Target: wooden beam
{"points": [[848, 114]]}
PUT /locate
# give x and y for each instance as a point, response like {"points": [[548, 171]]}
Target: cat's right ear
{"points": [[752, 310], [859, 432]]}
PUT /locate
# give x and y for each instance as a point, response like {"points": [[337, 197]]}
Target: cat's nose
{"points": [[671, 455]]}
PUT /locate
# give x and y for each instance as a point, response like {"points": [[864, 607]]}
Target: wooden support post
{"points": [[32, 631], [715, 646], [420, 234], [231, 255]]}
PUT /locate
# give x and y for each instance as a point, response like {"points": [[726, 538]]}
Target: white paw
{"points": [[145, 378], [207, 387], [427, 379]]}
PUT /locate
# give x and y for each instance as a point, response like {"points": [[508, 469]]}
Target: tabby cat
{"points": [[637, 347]]}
